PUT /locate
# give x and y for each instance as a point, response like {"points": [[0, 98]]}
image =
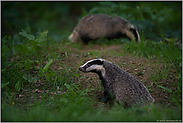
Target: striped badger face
{"points": [[94, 65]]}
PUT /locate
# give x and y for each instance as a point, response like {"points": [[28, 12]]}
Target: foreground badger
{"points": [[118, 83], [92, 27]]}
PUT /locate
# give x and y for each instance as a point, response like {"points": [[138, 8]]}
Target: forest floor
{"points": [[144, 69]]}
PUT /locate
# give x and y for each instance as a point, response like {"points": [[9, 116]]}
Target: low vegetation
{"points": [[40, 80]]}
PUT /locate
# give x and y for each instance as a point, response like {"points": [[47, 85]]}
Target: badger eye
{"points": [[87, 65]]}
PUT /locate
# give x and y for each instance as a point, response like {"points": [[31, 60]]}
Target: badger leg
{"points": [[106, 97], [74, 36]]}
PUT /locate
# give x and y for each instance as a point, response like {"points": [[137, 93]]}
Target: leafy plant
{"points": [[11, 69], [32, 45], [45, 70]]}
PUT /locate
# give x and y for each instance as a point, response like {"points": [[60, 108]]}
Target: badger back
{"points": [[96, 26], [125, 87]]}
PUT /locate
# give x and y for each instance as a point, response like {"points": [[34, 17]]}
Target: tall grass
{"points": [[76, 108]]}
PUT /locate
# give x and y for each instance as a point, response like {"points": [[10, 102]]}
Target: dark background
{"points": [[155, 20]]}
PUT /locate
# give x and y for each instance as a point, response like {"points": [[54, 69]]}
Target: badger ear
{"points": [[101, 61]]}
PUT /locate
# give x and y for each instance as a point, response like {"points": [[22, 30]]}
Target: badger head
{"points": [[135, 33], [94, 65]]}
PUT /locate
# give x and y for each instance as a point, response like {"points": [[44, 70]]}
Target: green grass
{"points": [[77, 106], [74, 108], [74, 103], [40, 80]]}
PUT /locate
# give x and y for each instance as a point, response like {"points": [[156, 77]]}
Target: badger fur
{"points": [[119, 83], [92, 27]]}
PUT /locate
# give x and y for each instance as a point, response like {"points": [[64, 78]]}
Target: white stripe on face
{"points": [[96, 68], [90, 61], [87, 62]]}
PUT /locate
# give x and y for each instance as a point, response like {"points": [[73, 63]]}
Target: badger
{"points": [[118, 84], [92, 27]]}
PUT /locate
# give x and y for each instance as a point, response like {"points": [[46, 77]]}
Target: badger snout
{"points": [[82, 69]]}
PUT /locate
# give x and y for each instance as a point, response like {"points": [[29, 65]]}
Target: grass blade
{"points": [[167, 89], [47, 65]]}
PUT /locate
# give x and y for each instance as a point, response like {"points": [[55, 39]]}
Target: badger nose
{"points": [[81, 69]]}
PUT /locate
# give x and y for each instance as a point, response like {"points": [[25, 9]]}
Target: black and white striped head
{"points": [[94, 65], [135, 32]]}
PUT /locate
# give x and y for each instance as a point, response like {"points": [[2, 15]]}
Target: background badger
{"points": [[96, 26], [119, 83]]}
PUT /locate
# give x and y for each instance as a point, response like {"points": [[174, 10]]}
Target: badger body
{"points": [[92, 27], [118, 83]]}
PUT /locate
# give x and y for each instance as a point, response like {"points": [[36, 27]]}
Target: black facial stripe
{"points": [[135, 31], [95, 62]]}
